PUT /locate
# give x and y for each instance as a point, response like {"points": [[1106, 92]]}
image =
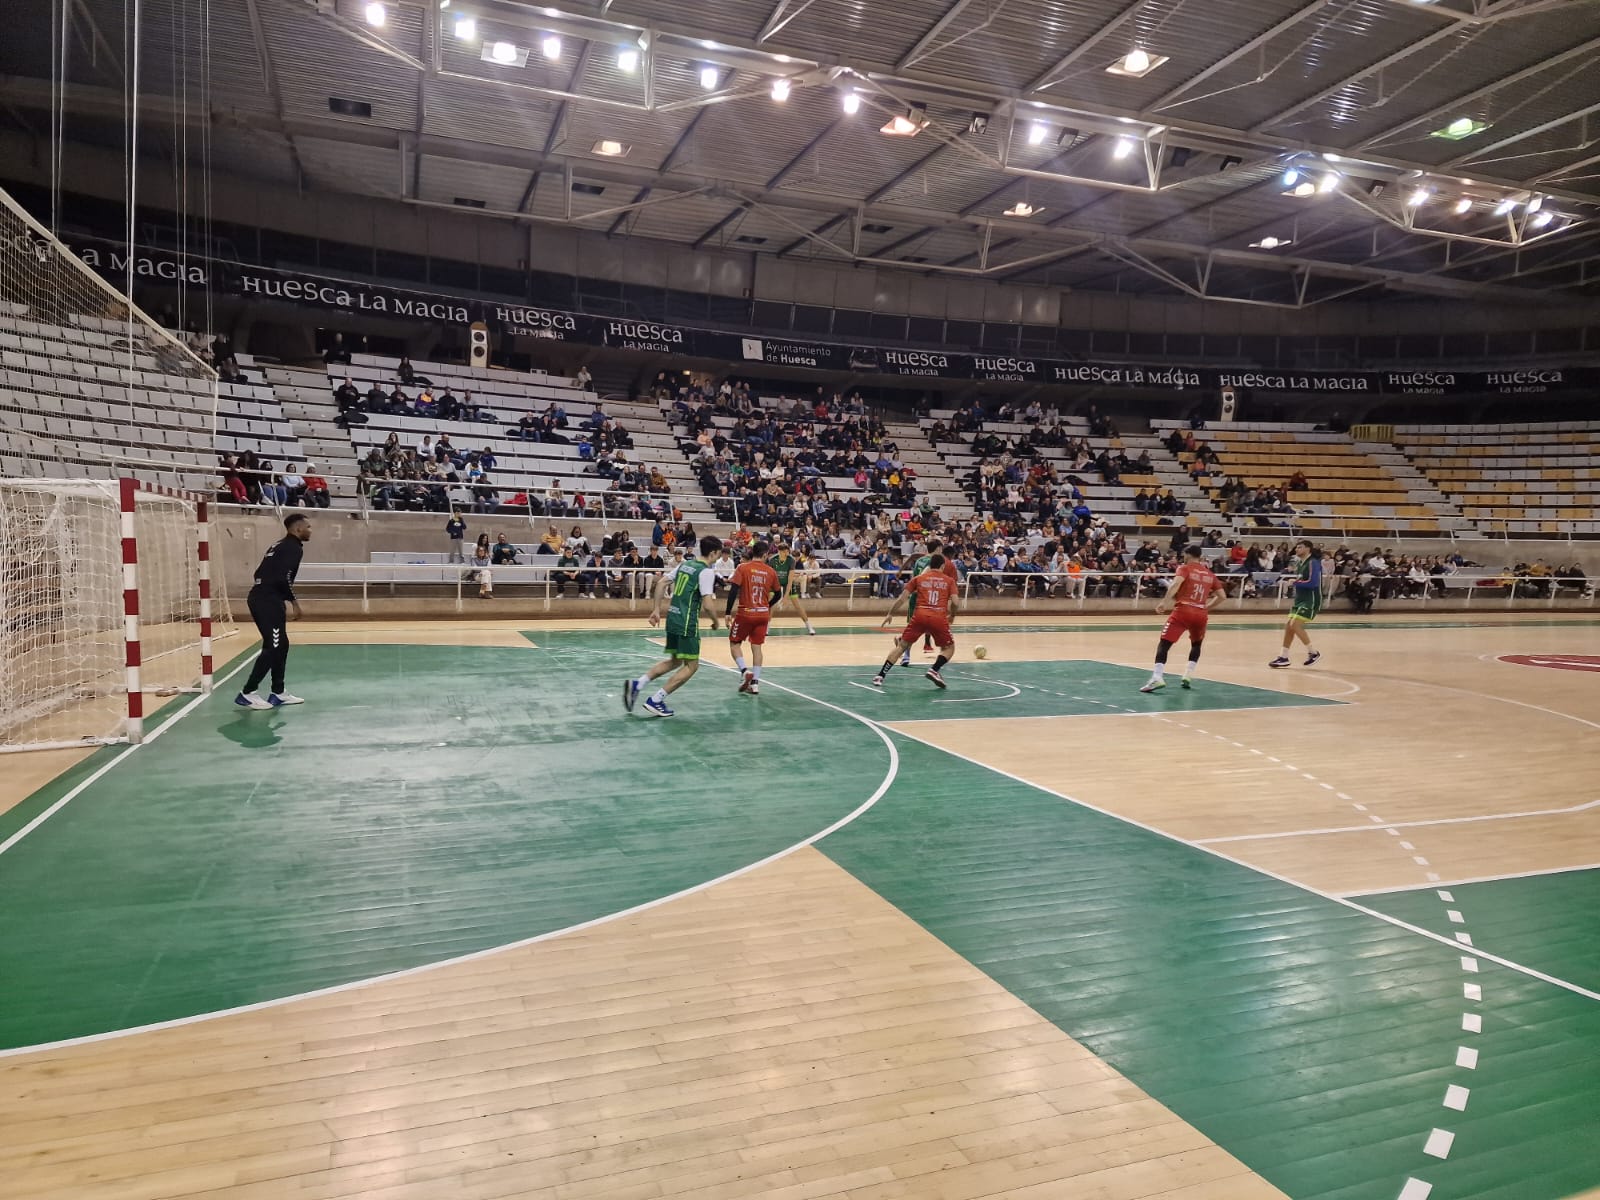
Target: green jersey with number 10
{"points": [[684, 614]]}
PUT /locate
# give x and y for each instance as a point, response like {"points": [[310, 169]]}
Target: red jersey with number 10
{"points": [[933, 590], [1198, 583]]}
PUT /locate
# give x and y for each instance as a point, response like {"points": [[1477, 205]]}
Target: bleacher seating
{"points": [[1112, 502], [1349, 491], [87, 395], [1527, 479], [522, 466]]}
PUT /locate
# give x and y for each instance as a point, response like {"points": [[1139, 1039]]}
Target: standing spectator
{"points": [[456, 530]]}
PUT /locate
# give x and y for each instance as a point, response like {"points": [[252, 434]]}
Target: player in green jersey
{"points": [[1307, 603], [787, 565], [687, 587]]}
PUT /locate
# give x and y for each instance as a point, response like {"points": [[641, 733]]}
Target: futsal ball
{"points": [[980, 652]]}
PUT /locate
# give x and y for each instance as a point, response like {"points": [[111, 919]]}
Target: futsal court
{"points": [[459, 928]]}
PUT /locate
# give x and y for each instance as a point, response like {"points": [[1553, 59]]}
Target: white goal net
{"points": [[90, 384], [104, 601]]}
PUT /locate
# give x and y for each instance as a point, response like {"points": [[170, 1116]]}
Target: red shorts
{"points": [[747, 628], [934, 626], [1185, 618]]}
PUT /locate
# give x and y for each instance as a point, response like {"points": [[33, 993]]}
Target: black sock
{"points": [[886, 668], [938, 663]]}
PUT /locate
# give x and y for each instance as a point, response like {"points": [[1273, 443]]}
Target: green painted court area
{"points": [[1548, 922], [430, 803], [979, 690], [433, 802], [1310, 1040]]}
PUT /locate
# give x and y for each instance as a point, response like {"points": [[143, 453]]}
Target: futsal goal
{"points": [[105, 599]]}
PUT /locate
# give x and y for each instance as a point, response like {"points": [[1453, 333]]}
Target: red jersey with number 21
{"points": [[1199, 581]]}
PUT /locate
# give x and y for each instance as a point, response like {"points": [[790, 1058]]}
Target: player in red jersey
{"points": [[753, 588], [1194, 592], [934, 594]]}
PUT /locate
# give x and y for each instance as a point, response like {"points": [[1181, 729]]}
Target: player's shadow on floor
{"points": [[254, 730]]}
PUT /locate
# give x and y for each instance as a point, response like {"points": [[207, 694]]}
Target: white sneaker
{"points": [[279, 699], [250, 701]]}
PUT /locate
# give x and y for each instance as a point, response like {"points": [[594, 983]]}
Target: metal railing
{"points": [[548, 583]]}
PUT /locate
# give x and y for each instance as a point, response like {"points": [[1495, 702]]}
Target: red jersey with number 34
{"points": [[1199, 581], [933, 590]]}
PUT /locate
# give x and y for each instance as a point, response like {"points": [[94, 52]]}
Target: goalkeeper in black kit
{"points": [[270, 599]]}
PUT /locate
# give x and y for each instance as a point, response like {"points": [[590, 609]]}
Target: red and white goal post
{"points": [[105, 598]]}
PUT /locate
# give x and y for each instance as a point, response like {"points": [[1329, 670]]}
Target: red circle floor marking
{"points": [[1556, 662]]}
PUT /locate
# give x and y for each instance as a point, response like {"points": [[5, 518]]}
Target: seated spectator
{"points": [[406, 372], [504, 553], [448, 407], [294, 485], [337, 352], [584, 380]]}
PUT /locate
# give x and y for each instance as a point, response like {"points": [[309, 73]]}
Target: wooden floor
{"points": [[789, 1033]]}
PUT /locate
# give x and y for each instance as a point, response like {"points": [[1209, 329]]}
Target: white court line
{"points": [[1512, 816], [1466, 1058], [354, 984], [1417, 887], [1249, 866], [1015, 691], [79, 788]]}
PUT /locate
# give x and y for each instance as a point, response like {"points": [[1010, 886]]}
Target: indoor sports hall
{"points": [[800, 600]]}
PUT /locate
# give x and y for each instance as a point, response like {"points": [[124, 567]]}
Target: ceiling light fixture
{"points": [[627, 60], [1535, 203], [1037, 132], [1302, 189], [1123, 148], [1460, 128], [708, 77], [1291, 177], [912, 122], [1463, 205], [503, 52], [851, 102], [1329, 182], [1270, 243], [1136, 64], [1504, 207], [979, 123], [466, 29], [1417, 198], [1022, 209], [1540, 220], [610, 149], [780, 90], [377, 15], [551, 47]]}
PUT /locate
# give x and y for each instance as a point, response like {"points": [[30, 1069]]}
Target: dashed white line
{"points": [[1469, 964], [1455, 1096], [1415, 1189], [1439, 1143], [1464, 938], [1419, 860], [1455, 916], [1447, 897], [1472, 991], [1472, 1022], [1466, 1058]]}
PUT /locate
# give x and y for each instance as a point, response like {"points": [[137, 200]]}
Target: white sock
{"points": [[1160, 671], [755, 672], [738, 661], [643, 681], [660, 697], [1188, 669], [809, 627]]}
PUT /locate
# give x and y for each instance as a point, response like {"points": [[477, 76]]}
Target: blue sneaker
{"points": [[657, 708], [630, 694], [905, 659], [250, 701]]}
